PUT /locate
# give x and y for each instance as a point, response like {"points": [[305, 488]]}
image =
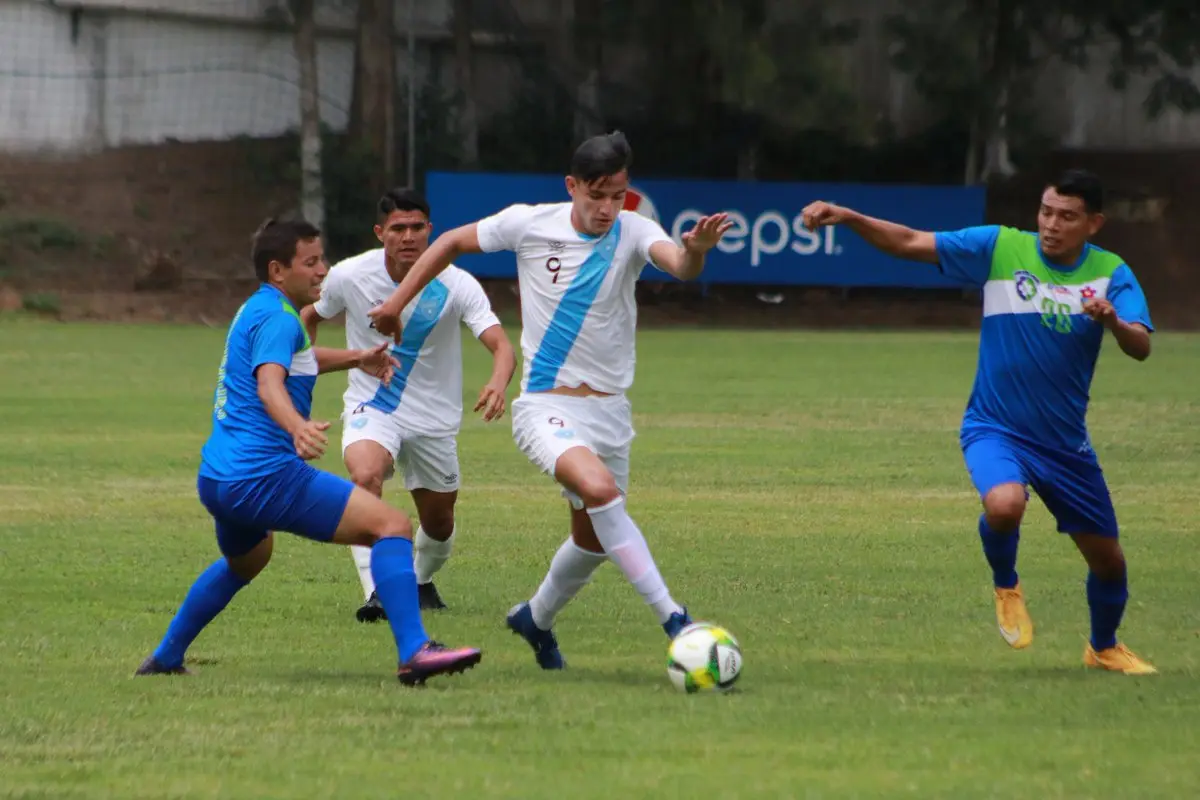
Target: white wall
{"points": [[129, 79]]}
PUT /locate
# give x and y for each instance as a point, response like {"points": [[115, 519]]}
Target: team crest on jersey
{"points": [[428, 307], [1087, 293], [1027, 284]]}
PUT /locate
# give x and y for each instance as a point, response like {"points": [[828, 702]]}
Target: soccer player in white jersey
{"points": [[577, 264], [413, 423]]}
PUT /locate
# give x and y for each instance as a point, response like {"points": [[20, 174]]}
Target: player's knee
{"points": [[368, 478], [598, 489], [394, 524], [439, 524], [1004, 506]]}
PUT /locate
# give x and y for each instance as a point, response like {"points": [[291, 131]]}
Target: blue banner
{"points": [[767, 244]]}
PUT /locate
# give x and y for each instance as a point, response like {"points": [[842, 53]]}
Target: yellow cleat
{"points": [[1116, 659], [1015, 625]]}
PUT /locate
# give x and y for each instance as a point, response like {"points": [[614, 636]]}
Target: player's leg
{"points": [[1075, 492], [366, 521], [601, 490], [246, 551], [556, 434], [370, 444], [431, 474], [999, 475]]}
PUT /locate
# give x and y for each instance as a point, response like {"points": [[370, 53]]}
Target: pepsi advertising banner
{"points": [[767, 245]]}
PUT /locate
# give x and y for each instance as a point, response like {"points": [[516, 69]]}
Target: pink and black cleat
{"points": [[437, 659]]}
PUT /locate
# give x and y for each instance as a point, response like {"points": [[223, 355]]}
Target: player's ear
{"points": [[275, 271], [1095, 223], [571, 185], [379, 232]]}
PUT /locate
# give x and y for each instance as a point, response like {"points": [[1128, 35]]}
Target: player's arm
{"points": [[311, 319], [504, 364], [307, 435], [1125, 313], [377, 361], [686, 261], [890, 237], [444, 250]]}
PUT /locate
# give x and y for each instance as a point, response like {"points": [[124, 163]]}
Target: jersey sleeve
{"points": [[275, 341], [1125, 293], [503, 230], [333, 296], [646, 233], [966, 255], [474, 306]]}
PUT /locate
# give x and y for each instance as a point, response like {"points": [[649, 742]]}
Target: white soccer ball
{"points": [[704, 658]]}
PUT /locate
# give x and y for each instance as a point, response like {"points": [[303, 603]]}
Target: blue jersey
{"points": [[1037, 349], [245, 441]]}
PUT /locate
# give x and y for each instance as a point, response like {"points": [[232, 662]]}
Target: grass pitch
{"points": [[805, 490]]}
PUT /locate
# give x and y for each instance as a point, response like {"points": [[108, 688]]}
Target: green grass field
{"points": [[804, 489]]}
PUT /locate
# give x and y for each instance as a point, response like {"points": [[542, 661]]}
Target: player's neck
{"points": [[395, 270], [577, 224], [1066, 259]]}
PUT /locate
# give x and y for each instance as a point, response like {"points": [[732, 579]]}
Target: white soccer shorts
{"points": [[426, 462], [547, 425]]}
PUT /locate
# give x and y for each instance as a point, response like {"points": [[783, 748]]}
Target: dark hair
{"points": [[402, 200], [276, 240], [1082, 184], [601, 157]]}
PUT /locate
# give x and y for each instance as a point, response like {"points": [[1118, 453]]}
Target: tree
{"points": [[977, 62], [468, 111], [312, 200], [372, 105], [738, 77]]}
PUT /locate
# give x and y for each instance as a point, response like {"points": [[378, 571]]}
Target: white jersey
{"points": [[426, 390], [578, 311]]}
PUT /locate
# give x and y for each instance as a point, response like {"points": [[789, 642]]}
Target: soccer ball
{"points": [[704, 658]]}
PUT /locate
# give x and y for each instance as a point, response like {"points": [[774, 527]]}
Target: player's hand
{"points": [[310, 439], [707, 232], [385, 317], [491, 402], [819, 214], [378, 361], [1101, 311]]}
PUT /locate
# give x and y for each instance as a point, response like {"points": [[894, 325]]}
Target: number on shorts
{"points": [[553, 265], [557, 422]]}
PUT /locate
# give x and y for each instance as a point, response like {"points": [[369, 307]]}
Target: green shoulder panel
{"points": [[303, 332], [1017, 251]]}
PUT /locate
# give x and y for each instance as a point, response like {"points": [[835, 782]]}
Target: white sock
{"points": [[626, 546], [362, 560], [429, 554], [570, 570]]}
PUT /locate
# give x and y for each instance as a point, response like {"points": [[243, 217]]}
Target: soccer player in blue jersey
{"points": [[253, 476], [1048, 298]]}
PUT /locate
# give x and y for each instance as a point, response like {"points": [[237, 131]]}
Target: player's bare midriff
{"points": [[582, 390]]}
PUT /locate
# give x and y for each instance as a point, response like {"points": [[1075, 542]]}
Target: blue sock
{"points": [[208, 596], [396, 585], [1001, 552], [1106, 600]]}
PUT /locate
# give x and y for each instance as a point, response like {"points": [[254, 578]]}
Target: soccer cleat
{"points": [[1013, 617], [1116, 659], [372, 610], [677, 622], [151, 667], [429, 597], [436, 659], [544, 644]]}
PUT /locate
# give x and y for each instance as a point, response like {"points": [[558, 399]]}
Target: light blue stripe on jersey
{"points": [[572, 309], [422, 322]]}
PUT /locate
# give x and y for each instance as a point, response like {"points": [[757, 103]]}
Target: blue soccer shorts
{"points": [[298, 499], [1071, 485]]}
